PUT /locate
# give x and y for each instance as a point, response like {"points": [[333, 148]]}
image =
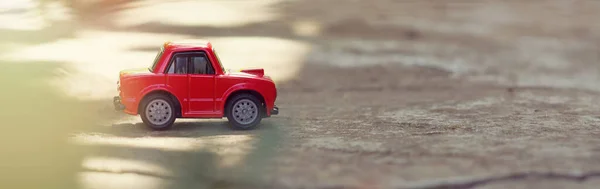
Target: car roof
{"points": [[188, 43]]}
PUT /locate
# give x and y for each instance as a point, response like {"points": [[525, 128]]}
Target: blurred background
{"points": [[373, 94]]}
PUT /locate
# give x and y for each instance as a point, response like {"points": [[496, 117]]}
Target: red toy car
{"points": [[187, 80]]}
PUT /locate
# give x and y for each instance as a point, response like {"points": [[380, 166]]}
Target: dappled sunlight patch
{"points": [[164, 143], [95, 58], [336, 143], [20, 15], [363, 53], [31, 15], [96, 49], [530, 61], [100, 180], [231, 149], [198, 13], [117, 165], [418, 115], [307, 28], [282, 59], [469, 105]]}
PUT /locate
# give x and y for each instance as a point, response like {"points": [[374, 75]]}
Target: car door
{"points": [[201, 84], [177, 78]]}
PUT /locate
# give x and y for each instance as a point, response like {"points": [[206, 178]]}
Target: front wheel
{"points": [[244, 111], [158, 112]]}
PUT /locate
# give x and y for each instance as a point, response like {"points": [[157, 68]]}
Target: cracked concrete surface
{"points": [[504, 107], [419, 138], [494, 181]]}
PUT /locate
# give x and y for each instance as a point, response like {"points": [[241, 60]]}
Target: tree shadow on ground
{"points": [[182, 169], [191, 168], [193, 129]]}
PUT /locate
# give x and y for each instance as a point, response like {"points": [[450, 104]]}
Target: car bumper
{"points": [[117, 103]]}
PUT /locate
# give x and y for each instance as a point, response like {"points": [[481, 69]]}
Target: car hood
{"points": [[134, 71]]}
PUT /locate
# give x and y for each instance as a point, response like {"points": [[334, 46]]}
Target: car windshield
{"points": [[155, 63], [219, 60]]}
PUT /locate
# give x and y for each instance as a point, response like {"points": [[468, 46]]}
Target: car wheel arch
{"points": [[162, 92], [243, 91]]}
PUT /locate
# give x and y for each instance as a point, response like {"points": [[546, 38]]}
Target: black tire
{"points": [[169, 114], [230, 111]]}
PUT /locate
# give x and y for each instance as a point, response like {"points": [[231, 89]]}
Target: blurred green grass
{"points": [[37, 120]]}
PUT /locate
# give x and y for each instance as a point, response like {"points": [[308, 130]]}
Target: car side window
{"points": [[178, 65], [201, 65]]}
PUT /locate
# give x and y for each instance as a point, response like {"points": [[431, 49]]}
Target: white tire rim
{"points": [[244, 111], [158, 112]]}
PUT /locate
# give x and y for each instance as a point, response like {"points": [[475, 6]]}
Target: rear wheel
{"points": [[158, 112], [244, 111]]}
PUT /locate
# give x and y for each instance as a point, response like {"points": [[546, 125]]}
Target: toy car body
{"points": [[187, 80]]}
